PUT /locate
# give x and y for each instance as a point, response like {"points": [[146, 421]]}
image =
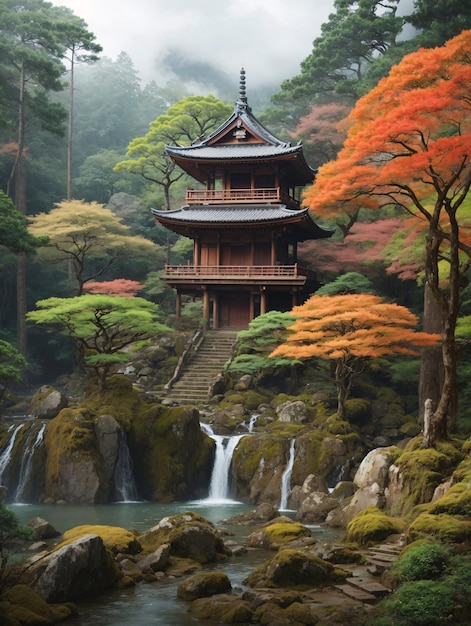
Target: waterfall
{"points": [[251, 424], [219, 487], [125, 486], [27, 462], [286, 479], [5, 456]]}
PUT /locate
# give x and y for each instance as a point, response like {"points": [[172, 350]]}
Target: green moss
{"points": [[423, 469], [358, 410], [457, 501], [371, 526], [116, 539], [284, 532], [442, 527], [25, 606]]}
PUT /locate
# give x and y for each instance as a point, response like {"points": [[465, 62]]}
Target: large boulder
{"points": [[294, 568], [203, 585], [315, 508], [42, 528], [81, 569], [107, 432], [189, 536], [293, 412], [277, 533], [48, 402]]}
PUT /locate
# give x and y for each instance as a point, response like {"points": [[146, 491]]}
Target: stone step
{"points": [[356, 594], [369, 586], [382, 557]]}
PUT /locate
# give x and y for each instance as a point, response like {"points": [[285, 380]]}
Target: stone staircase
{"points": [[363, 585], [203, 367]]}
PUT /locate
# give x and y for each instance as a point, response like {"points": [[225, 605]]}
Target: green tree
{"points": [[10, 529], [91, 237], [186, 121], [354, 35], [80, 48], [349, 329], [14, 234], [101, 326], [440, 20], [12, 365]]}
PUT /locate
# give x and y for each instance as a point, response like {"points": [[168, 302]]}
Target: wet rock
{"points": [[107, 432], [203, 585], [189, 536], [48, 402], [222, 609], [81, 569], [157, 561], [42, 529]]}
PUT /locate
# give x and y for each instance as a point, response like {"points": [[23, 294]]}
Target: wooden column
{"points": [[216, 310], [206, 307], [263, 301], [251, 307], [196, 253], [273, 250]]}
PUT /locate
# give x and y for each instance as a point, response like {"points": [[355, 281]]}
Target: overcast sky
{"points": [[269, 38]]}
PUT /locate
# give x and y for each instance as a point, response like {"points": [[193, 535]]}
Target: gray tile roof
{"points": [[233, 151]]}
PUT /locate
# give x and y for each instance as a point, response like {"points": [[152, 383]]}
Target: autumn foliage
{"points": [[408, 147], [348, 329], [118, 287]]}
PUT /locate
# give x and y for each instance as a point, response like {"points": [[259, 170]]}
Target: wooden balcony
{"points": [[273, 195], [238, 274]]}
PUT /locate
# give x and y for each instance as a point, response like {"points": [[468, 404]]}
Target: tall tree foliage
{"points": [[348, 329], [90, 237], [101, 326], [408, 147], [189, 119]]}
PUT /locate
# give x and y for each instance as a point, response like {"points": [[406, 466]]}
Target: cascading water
{"points": [[286, 478], [123, 477], [219, 488], [252, 422], [33, 442], [5, 456]]}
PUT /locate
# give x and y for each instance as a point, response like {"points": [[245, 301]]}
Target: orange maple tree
{"points": [[409, 146], [119, 287], [349, 329]]}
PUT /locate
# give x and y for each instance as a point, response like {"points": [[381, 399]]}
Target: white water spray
{"points": [[27, 463], [286, 479], [125, 485], [5, 457], [219, 488]]}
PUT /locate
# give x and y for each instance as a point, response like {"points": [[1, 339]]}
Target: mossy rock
{"points": [[442, 527], [278, 534], [358, 410], [423, 469], [25, 606], [222, 609], [296, 613], [116, 539], [456, 501], [294, 569], [410, 429], [203, 585], [372, 526]]}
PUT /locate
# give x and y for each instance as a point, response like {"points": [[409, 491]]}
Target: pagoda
{"points": [[245, 223]]}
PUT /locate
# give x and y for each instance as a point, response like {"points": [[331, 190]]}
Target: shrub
{"points": [[423, 561]]}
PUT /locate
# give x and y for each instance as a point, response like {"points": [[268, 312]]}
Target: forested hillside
{"points": [[82, 162]]}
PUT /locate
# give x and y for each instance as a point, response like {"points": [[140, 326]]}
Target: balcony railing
{"points": [[237, 271], [240, 196]]}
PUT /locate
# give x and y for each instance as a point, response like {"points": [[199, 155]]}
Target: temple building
{"points": [[246, 222]]}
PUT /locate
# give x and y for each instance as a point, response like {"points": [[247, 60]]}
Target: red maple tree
{"points": [[408, 146]]}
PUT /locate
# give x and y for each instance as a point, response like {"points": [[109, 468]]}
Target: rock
{"points": [[203, 585], [81, 569], [264, 512], [47, 403], [299, 493], [22, 605], [315, 508], [293, 412], [222, 609], [291, 568], [189, 536], [42, 529], [343, 489], [107, 432], [375, 467], [116, 539], [157, 561], [282, 531]]}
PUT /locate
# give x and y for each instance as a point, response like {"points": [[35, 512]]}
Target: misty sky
{"points": [[269, 38]]}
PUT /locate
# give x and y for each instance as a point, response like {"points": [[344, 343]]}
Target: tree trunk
{"points": [[70, 130], [431, 367], [21, 303]]}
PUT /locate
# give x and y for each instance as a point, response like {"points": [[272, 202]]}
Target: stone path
{"points": [[363, 585]]}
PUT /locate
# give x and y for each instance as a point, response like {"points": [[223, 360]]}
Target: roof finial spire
{"points": [[242, 103]]}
